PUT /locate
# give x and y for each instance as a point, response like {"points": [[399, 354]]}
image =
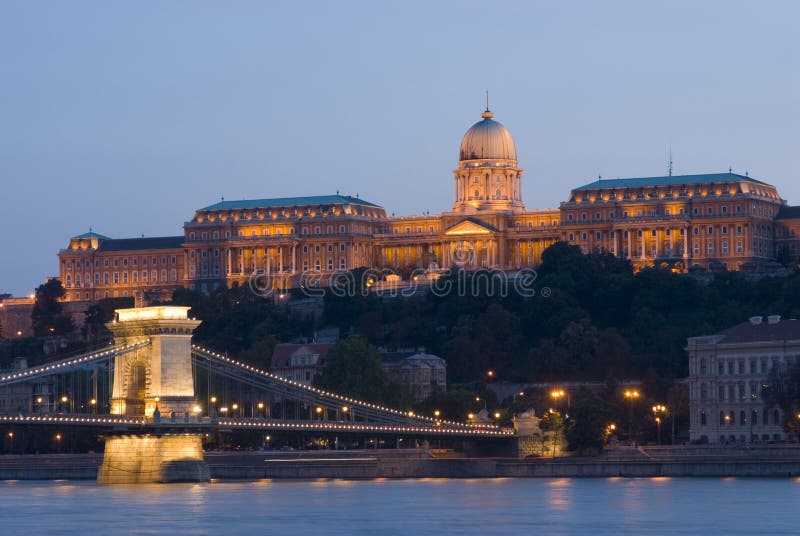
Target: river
{"points": [[423, 506]]}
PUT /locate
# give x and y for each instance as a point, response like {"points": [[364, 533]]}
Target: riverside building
{"points": [[705, 222], [727, 374]]}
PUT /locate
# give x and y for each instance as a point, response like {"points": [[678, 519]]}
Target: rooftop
{"points": [[789, 213], [92, 234], [290, 202], [783, 330], [670, 180], [155, 242]]}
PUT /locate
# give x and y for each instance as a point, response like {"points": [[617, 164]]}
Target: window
{"points": [[710, 247], [724, 246], [703, 418], [703, 391], [316, 248], [305, 249], [722, 418], [703, 366], [709, 210], [742, 418], [721, 392], [739, 247], [116, 278], [330, 248], [754, 417], [341, 248], [710, 230]]}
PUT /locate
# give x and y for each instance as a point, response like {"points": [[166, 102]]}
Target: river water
{"points": [[408, 507]]}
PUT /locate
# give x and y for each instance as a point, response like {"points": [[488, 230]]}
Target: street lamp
{"points": [[319, 412], [58, 441], [479, 399], [93, 404], [658, 409], [10, 442], [631, 395], [260, 409]]}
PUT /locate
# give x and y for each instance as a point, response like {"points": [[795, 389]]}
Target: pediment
{"points": [[470, 227]]}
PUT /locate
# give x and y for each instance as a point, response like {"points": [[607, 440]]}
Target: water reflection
{"points": [[428, 506]]}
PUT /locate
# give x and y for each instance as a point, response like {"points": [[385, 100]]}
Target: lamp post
{"points": [[631, 395], [479, 399], [58, 442], [659, 409], [10, 442], [260, 409]]}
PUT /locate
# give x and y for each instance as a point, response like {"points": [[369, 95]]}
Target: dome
{"points": [[488, 139]]}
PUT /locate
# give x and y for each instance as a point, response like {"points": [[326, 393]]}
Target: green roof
{"points": [[91, 234], [289, 202], [671, 180]]}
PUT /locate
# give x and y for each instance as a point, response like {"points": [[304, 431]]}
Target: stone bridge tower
{"points": [[159, 374]]}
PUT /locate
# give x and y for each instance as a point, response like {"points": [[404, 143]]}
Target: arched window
{"points": [[754, 417], [703, 419]]}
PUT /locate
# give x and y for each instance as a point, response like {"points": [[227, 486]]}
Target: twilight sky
{"points": [[128, 116]]}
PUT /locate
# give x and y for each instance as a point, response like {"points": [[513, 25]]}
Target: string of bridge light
{"points": [[365, 428], [73, 361], [323, 392], [72, 420]]}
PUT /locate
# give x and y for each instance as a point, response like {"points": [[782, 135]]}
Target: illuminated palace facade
{"points": [[711, 221]]}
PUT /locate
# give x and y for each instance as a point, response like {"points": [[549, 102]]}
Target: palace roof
{"points": [[155, 242], [788, 213], [670, 180], [290, 202], [92, 234]]}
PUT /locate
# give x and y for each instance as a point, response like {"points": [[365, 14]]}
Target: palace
{"points": [[704, 222]]}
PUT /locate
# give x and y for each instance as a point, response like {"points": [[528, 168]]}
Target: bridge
{"points": [[156, 394]]}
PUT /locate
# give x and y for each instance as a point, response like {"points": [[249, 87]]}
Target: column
{"points": [[686, 243], [241, 260], [280, 258], [630, 251], [228, 255], [294, 258], [658, 239], [266, 253], [672, 242], [644, 243]]}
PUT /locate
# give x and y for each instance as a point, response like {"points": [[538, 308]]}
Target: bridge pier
{"points": [[139, 459], [157, 377]]}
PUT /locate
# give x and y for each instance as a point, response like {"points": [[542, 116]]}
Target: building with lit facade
{"points": [[705, 222], [727, 375]]}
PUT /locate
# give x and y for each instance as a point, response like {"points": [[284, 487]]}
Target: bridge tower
{"points": [[158, 375]]}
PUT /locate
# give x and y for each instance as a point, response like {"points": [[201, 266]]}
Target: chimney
{"points": [[773, 319], [756, 320]]}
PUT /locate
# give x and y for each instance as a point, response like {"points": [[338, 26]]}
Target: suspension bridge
{"points": [[154, 391]]}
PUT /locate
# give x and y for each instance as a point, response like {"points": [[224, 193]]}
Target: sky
{"points": [[126, 117]]}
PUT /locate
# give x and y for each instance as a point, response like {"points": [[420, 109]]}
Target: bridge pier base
{"points": [[138, 459]]}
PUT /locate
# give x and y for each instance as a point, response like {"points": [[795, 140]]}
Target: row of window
{"points": [[117, 261], [278, 231], [108, 277], [729, 418], [654, 212], [752, 365]]}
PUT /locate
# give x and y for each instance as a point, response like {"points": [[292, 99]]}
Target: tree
{"points": [[588, 429], [47, 316], [353, 368]]}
